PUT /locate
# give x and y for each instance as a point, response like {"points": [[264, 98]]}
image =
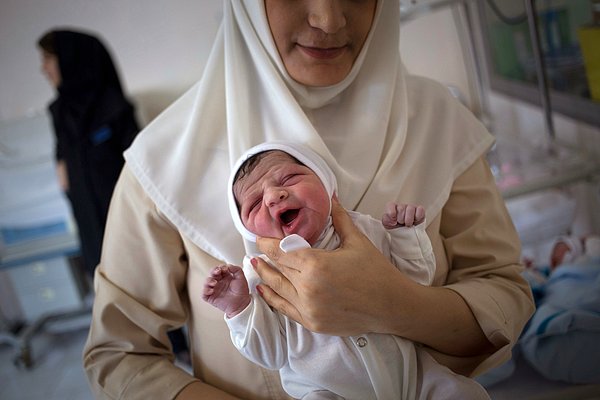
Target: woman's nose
{"points": [[274, 195], [327, 15]]}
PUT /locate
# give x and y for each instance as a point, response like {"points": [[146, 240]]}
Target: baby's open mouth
{"points": [[288, 216]]}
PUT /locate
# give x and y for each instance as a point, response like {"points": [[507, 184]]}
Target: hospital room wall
{"points": [[161, 47]]}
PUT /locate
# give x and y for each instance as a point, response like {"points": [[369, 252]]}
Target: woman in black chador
{"points": [[93, 122]]}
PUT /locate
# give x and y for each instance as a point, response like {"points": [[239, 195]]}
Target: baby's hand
{"points": [[402, 215], [227, 289]]}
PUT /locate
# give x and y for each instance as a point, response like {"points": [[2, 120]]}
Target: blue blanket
{"points": [[562, 340]]}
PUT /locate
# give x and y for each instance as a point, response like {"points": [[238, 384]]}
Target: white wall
{"points": [[430, 47], [159, 46]]}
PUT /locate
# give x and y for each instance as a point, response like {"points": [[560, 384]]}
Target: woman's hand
{"points": [[339, 292], [62, 175], [355, 289]]}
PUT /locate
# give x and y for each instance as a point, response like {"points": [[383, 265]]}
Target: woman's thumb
{"points": [[341, 220]]}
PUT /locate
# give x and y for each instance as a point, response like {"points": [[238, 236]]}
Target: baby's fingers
{"points": [[218, 271], [401, 214], [391, 210], [414, 215], [389, 216], [409, 215], [419, 215], [209, 289]]}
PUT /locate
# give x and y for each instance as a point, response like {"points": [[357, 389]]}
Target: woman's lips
{"points": [[322, 53]]}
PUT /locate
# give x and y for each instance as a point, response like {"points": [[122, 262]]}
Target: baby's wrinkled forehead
{"points": [[252, 166]]}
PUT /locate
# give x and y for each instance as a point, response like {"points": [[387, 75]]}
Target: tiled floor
{"points": [[527, 384], [56, 373]]}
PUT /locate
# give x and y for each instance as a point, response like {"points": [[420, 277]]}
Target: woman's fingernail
{"points": [[254, 262], [259, 290]]}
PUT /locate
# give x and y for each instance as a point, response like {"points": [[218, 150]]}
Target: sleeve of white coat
{"points": [[258, 332]]}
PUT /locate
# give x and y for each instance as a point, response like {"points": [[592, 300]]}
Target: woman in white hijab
{"points": [[325, 73]]}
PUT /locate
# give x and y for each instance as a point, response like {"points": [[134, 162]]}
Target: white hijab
{"points": [[384, 134]]}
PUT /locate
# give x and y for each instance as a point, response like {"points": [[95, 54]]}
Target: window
{"points": [[570, 45]]}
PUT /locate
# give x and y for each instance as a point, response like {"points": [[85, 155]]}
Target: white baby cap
{"points": [[302, 153], [575, 248]]}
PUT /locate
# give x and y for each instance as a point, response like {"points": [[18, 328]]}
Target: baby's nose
{"points": [[275, 195]]}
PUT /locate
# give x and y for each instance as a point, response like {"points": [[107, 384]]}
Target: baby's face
{"points": [[280, 197]]}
